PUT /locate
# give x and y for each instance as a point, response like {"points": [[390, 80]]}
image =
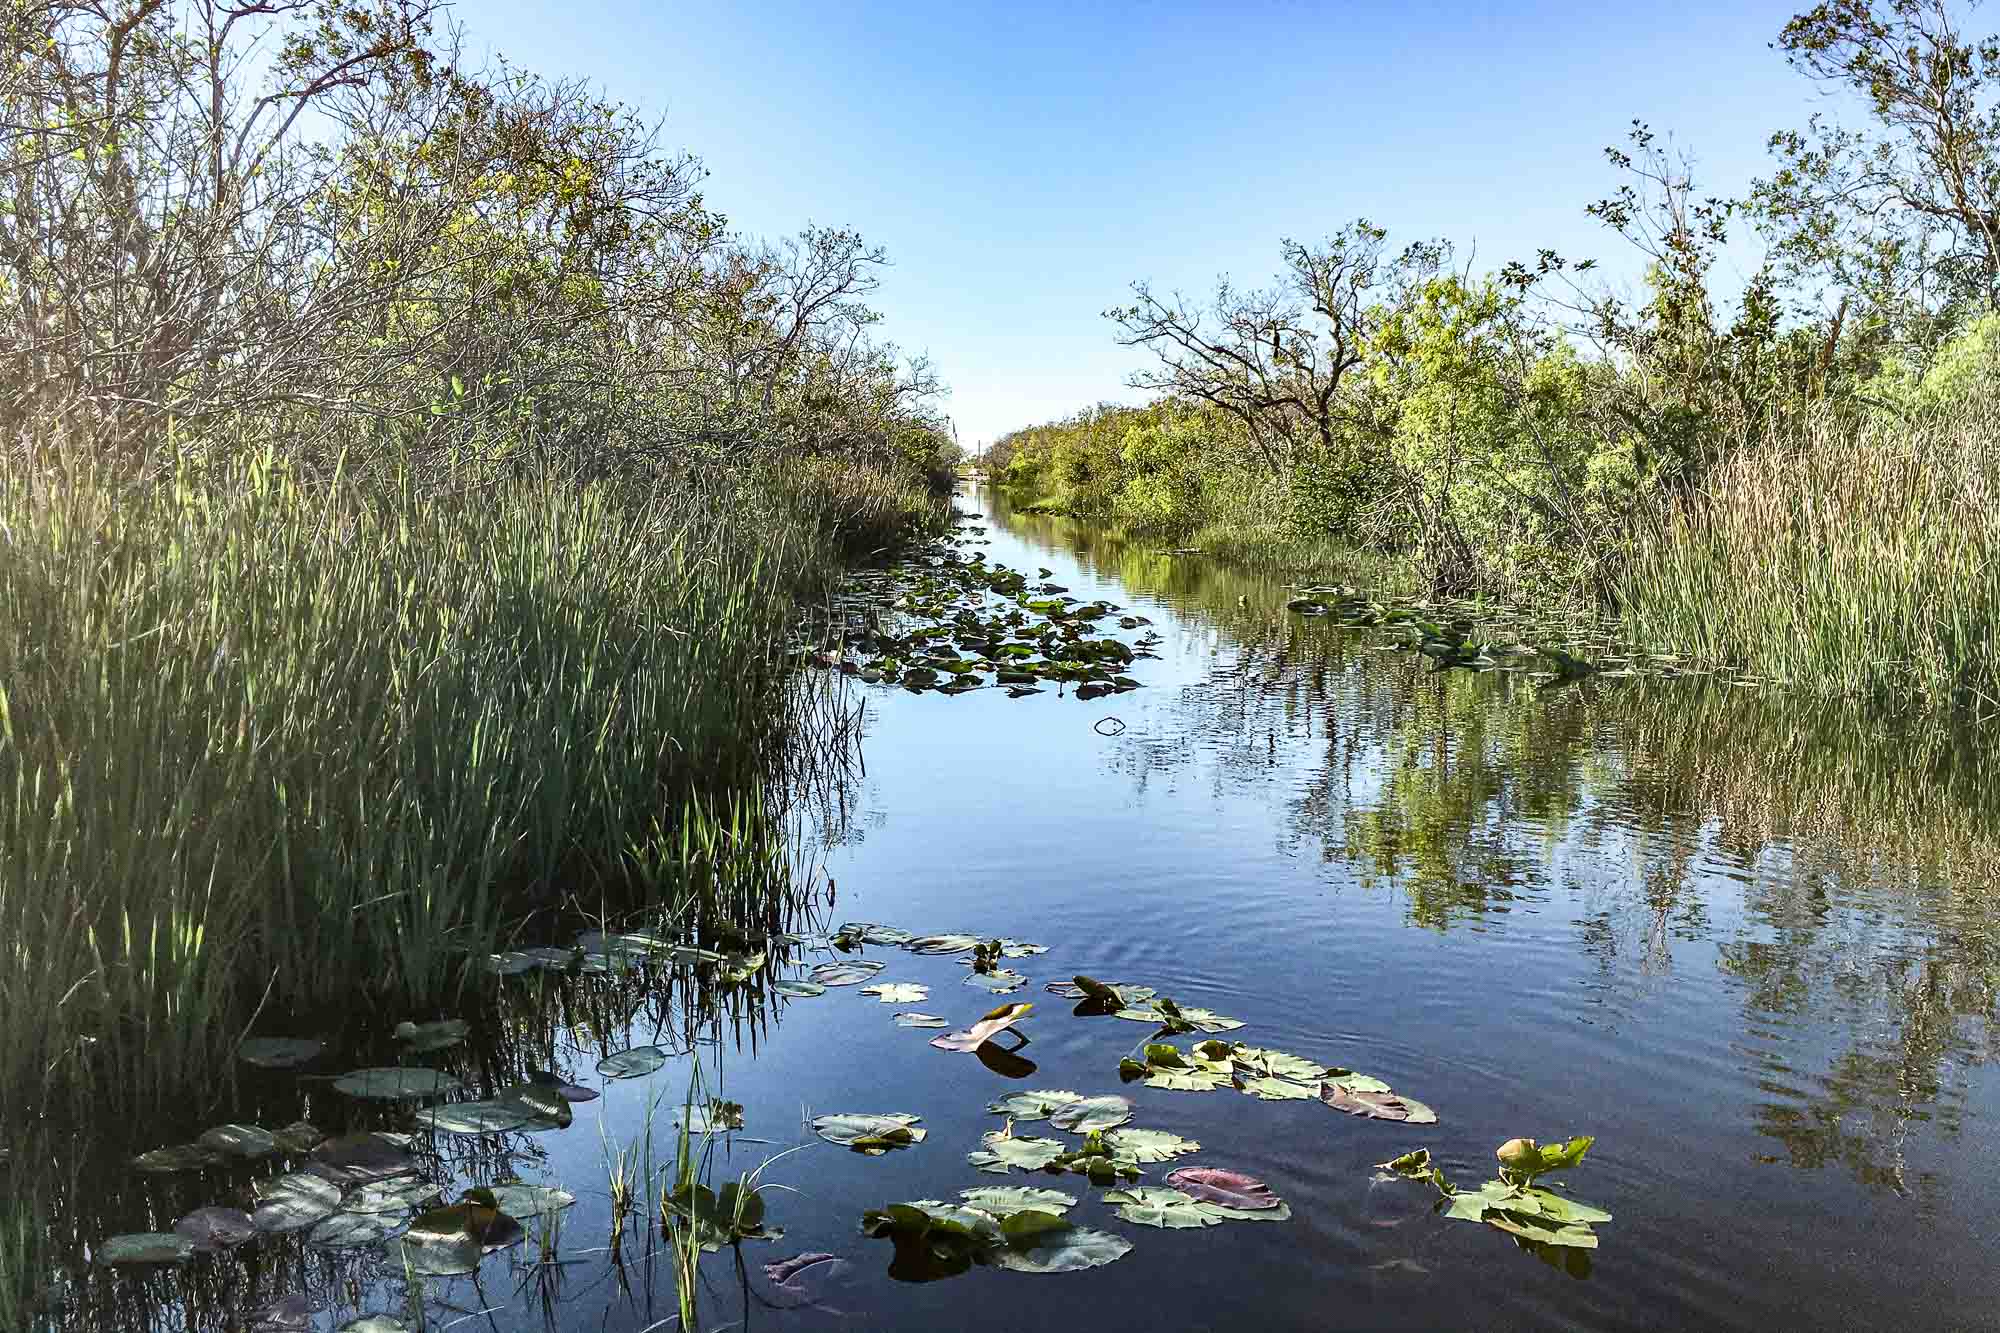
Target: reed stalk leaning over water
{"points": [[260, 740]]}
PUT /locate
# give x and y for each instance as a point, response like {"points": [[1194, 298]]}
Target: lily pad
{"points": [[801, 990], [529, 1200], [180, 1157], [449, 1242], [993, 1023], [215, 1228], [850, 973], [943, 944], [246, 1141], [389, 1085], [1228, 1189], [569, 1092], [913, 1019], [1038, 1242], [495, 1116], [1382, 1105], [374, 1323], [867, 932], [389, 1196], [1149, 1145], [1278, 1089], [634, 1063], [1002, 1152], [151, 1247], [351, 1231], [422, 1037], [1013, 1198], [298, 1138], [1201, 1069], [1034, 1105], [1091, 1113], [1158, 1206], [1001, 981], [711, 1117], [1163, 1012], [898, 992], [870, 1134], [357, 1159], [294, 1202], [279, 1052], [1254, 1062]]}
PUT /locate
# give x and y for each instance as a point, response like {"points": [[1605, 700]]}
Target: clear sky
{"points": [[1024, 163]]}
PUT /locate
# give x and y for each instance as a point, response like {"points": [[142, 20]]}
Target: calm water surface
{"points": [[1751, 947]]}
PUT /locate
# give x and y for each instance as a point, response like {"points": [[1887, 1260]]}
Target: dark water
{"points": [[1751, 946]]}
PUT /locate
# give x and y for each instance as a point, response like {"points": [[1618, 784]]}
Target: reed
{"points": [[1849, 556], [271, 742]]}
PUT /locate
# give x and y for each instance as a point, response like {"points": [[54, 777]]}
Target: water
{"points": [[1752, 947]]}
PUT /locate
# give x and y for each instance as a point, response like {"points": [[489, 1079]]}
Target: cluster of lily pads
{"points": [[941, 622], [1508, 641], [1512, 1202]]}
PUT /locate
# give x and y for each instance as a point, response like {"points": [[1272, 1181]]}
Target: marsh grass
{"points": [[268, 743], [1849, 557]]}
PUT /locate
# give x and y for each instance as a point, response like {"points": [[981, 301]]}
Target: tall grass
{"points": [[271, 743], [1850, 556]]}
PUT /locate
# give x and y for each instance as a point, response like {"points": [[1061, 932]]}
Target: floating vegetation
{"points": [[1002, 1151], [1084, 1115], [943, 623], [913, 1019], [637, 1062], [1512, 1202], [872, 1134], [216, 1228], [293, 1202], [713, 1116], [799, 990], [1169, 1017], [152, 1247], [390, 1085], [716, 1218], [936, 1240], [423, 1038], [1146, 1146], [450, 1242], [897, 992], [845, 974]]}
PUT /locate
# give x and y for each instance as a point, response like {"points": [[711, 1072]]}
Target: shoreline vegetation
{"points": [[410, 491], [1795, 475]]}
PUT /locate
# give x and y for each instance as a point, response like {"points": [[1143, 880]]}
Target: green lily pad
{"points": [[1158, 1206], [529, 1200], [152, 1247], [1278, 1089], [1086, 1114], [1001, 980], [294, 1202], [849, 973], [494, 1116], [216, 1228], [389, 1196], [1034, 1105], [279, 1052], [357, 1159], [634, 1063], [374, 1323], [872, 1134], [424, 1037], [298, 1138], [180, 1157], [1147, 1146], [914, 1019], [1012, 1198], [390, 1085], [1002, 1152], [1163, 1012], [351, 1231], [711, 1117], [943, 944], [448, 1242], [246, 1141], [1254, 1062], [867, 932], [898, 992], [802, 990], [1167, 1066], [1038, 1242]]}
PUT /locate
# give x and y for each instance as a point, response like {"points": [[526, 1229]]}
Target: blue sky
{"points": [[1024, 163]]}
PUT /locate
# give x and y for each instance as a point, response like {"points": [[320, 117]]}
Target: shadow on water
{"points": [[1750, 943]]}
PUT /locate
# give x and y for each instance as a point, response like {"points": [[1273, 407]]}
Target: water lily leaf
{"points": [[1091, 1113], [1148, 1145], [247, 1141], [914, 1019], [989, 1026], [279, 1052], [849, 973], [867, 932], [145, 1248], [495, 1116], [1032, 1105], [1278, 1089], [1001, 1199], [1163, 1012], [873, 1134], [389, 1196], [1003, 1151], [1158, 1206], [374, 1323], [351, 1231], [293, 1202], [1376, 1105], [712, 1117], [396, 1084], [1039, 1242], [569, 1092], [634, 1063], [1167, 1066], [215, 1228], [943, 944], [180, 1157], [898, 992], [356, 1159], [1412, 1165], [298, 1138], [529, 1200], [1254, 1062], [1021, 949], [1104, 997], [481, 1223], [1230, 1189], [933, 1240], [802, 990], [423, 1037], [1001, 981]]}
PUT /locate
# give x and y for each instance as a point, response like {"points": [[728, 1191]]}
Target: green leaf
{"points": [[1003, 1151], [871, 1134], [395, 1084], [1010, 1198], [1086, 1114], [634, 1063], [897, 992], [1148, 1145]]}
